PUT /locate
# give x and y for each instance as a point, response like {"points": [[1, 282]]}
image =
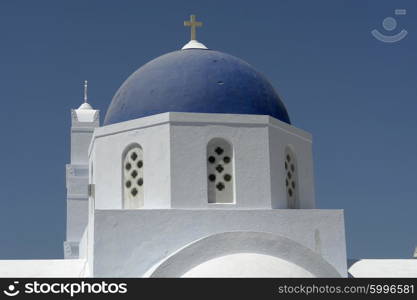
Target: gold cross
{"points": [[193, 24]]}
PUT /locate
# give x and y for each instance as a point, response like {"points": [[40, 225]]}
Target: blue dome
{"points": [[198, 81]]}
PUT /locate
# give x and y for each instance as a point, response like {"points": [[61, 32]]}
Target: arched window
{"points": [[133, 183], [291, 181], [220, 175]]}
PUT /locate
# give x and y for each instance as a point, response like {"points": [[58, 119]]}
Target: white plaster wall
{"points": [[81, 133], [175, 160], [77, 214], [108, 148], [189, 164], [82, 127], [406, 268], [88, 245], [80, 140], [259, 144], [282, 135], [83, 248], [127, 243], [247, 265], [84, 251], [42, 268]]}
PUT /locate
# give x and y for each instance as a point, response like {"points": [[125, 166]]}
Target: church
{"points": [[197, 171]]}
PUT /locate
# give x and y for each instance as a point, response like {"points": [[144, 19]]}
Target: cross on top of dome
{"points": [[192, 23], [193, 43]]}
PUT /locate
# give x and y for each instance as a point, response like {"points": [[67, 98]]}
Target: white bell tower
{"points": [[83, 121]]}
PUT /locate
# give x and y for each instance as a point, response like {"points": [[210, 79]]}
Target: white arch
{"points": [[226, 243]]}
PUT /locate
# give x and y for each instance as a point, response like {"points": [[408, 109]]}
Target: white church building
{"points": [[197, 172]]}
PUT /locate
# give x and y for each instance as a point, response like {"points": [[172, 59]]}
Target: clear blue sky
{"points": [[355, 94]]}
